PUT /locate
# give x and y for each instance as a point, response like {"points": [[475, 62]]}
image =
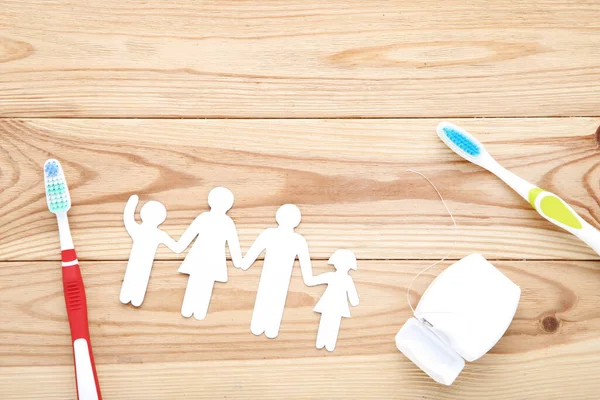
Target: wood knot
{"points": [[550, 324], [11, 50]]}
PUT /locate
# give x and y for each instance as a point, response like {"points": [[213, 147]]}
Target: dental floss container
{"points": [[461, 316]]}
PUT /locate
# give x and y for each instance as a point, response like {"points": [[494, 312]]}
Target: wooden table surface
{"points": [[325, 104]]}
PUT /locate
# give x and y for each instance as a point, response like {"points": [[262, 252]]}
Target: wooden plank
{"points": [[154, 353], [349, 178], [299, 59], [570, 374]]}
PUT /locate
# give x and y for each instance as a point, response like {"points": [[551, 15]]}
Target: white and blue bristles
{"points": [[461, 142], [57, 192]]}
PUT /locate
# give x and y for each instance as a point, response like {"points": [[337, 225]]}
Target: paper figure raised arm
{"points": [[146, 239]]}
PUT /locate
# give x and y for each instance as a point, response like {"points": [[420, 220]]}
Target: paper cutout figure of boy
{"points": [[146, 239], [206, 263], [282, 245], [333, 305]]}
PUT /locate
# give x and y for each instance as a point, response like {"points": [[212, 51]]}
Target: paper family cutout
{"points": [[146, 239], [281, 246], [333, 305], [206, 263]]}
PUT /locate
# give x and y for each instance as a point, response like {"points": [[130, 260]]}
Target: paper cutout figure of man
{"points": [[146, 239], [206, 263], [282, 245]]}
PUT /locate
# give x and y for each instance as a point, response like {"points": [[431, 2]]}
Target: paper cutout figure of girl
{"points": [[333, 305], [281, 246], [146, 239], [206, 263]]}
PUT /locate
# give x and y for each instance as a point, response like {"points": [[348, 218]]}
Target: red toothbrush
{"points": [[59, 202]]}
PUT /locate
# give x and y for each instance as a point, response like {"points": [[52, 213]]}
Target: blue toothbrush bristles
{"points": [[51, 169], [57, 193], [462, 141]]}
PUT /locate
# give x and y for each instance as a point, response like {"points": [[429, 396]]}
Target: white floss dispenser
{"points": [[461, 316]]}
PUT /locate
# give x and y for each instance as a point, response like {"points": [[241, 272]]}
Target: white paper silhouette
{"points": [[333, 305], [146, 239], [281, 246], [206, 263]]}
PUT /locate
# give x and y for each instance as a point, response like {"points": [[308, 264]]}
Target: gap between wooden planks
{"points": [[556, 328], [349, 178], [278, 59]]}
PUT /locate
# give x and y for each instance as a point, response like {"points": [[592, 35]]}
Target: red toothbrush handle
{"points": [[85, 369]]}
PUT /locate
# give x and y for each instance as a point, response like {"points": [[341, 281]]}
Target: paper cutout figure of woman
{"points": [[206, 263], [146, 239], [281, 246], [333, 305]]}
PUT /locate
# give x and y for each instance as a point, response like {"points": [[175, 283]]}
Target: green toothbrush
{"points": [[549, 205]]}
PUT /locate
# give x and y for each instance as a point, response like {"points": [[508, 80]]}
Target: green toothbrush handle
{"points": [[557, 211]]}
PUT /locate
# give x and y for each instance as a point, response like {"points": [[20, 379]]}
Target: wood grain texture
{"points": [[154, 353], [280, 59], [349, 178], [327, 105]]}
